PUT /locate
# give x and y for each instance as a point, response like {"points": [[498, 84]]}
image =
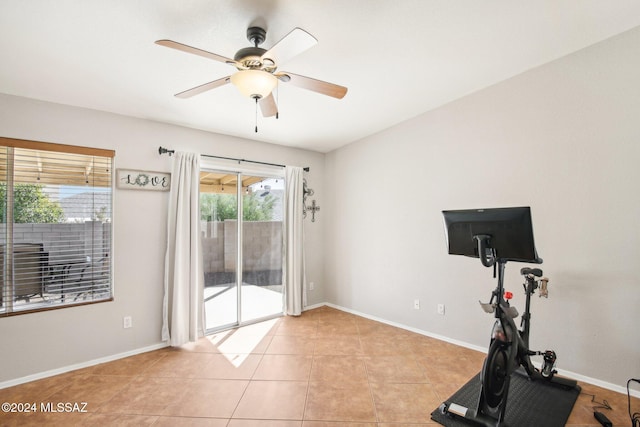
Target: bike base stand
{"points": [[530, 403]]}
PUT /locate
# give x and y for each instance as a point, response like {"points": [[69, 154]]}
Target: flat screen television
{"points": [[508, 231]]}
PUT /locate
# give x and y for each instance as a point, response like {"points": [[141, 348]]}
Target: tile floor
{"points": [[326, 368]]}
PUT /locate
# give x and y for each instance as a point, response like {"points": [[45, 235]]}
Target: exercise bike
{"points": [[509, 346]]}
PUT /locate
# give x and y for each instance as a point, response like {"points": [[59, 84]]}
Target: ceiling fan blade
{"points": [[325, 88], [195, 51], [268, 106], [294, 43], [203, 88]]}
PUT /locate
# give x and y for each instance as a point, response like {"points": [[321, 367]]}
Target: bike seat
{"points": [[535, 271]]}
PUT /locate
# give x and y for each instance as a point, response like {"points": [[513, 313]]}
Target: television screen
{"points": [[509, 229]]}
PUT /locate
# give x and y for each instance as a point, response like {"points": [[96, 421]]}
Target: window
{"points": [[55, 235]]}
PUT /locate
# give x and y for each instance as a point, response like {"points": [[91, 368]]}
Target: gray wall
{"points": [[564, 139]]}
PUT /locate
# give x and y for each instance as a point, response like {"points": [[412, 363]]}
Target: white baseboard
{"points": [[311, 307], [52, 372], [562, 372]]}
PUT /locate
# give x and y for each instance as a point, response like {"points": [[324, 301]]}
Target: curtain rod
{"points": [[162, 150]]}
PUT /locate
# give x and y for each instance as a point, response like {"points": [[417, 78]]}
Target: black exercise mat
{"points": [[530, 403]]}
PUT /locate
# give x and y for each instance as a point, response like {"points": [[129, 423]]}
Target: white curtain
{"points": [[183, 317], [294, 274]]}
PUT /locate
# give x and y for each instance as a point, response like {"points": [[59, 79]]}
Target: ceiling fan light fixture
{"points": [[254, 83]]}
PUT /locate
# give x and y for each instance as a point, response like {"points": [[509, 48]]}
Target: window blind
{"points": [[56, 231]]}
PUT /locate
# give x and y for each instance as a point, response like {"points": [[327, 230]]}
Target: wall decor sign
{"points": [[143, 180]]}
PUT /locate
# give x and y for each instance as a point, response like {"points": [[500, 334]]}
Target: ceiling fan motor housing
{"points": [[251, 57]]}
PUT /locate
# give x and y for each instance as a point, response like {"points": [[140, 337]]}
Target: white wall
{"points": [[564, 139], [40, 342]]}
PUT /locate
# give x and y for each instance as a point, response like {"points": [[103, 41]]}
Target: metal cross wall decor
{"points": [[314, 208], [306, 192]]}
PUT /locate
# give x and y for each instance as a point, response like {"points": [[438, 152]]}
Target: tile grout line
{"points": [[366, 369], [313, 358], [248, 384]]}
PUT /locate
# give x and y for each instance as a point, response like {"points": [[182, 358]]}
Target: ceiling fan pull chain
{"points": [[277, 99], [256, 98]]}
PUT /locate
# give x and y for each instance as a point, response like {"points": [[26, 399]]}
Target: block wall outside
{"points": [[262, 245], [65, 241]]}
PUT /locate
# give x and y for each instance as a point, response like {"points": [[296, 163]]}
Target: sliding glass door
{"points": [[242, 221]]}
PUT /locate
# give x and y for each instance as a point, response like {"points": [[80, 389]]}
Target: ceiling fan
{"points": [[257, 74]]}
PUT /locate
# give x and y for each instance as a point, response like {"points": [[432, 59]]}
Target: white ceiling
{"points": [[399, 58]]}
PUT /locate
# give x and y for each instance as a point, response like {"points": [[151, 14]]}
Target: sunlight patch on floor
{"points": [[241, 342]]}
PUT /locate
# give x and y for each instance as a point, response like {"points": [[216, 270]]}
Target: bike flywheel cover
{"points": [[495, 375]]}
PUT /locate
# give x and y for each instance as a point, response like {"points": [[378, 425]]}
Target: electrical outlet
{"points": [[416, 304], [441, 309], [127, 322], [312, 286]]}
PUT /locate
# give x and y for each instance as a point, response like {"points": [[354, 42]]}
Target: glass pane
{"points": [[262, 249], [219, 227]]}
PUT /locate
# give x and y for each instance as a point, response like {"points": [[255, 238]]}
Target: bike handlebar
{"points": [[483, 245]]}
